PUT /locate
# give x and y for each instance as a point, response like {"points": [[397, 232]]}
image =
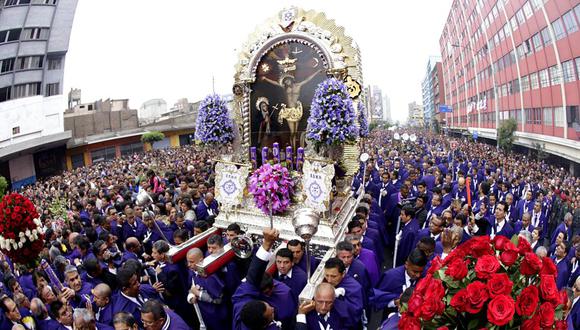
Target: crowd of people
{"points": [[417, 200]]}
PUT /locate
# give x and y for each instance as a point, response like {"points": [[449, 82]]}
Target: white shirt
{"points": [[288, 275]]}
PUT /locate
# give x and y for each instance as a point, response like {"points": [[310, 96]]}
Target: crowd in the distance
{"points": [[419, 200]]}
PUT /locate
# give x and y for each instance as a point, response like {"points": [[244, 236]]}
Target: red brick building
{"points": [[515, 59]]}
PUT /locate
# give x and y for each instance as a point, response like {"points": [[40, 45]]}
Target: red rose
{"points": [[436, 290], [531, 264], [524, 246], [501, 242], [499, 284], [409, 322], [477, 296], [423, 285], [563, 298], [431, 307], [460, 301], [436, 264], [510, 255], [457, 269], [414, 305], [527, 301], [486, 266], [561, 325], [547, 312], [548, 289], [480, 246], [548, 267], [500, 310], [443, 328], [531, 324]]}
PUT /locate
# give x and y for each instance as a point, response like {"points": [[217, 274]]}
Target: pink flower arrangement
{"points": [[271, 181]]}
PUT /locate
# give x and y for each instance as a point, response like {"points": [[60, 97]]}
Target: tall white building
{"points": [[34, 38]]}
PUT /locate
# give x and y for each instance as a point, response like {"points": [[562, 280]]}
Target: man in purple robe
{"points": [[297, 248], [320, 313], [260, 300], [394, 281], [289, 274], [349, 293], [207, 293], [156, 317], [407, 234], [367, 258]]}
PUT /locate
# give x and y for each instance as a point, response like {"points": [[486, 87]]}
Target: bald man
{"points": [[132, 249], [319, 313], [40, 314], [208, 293], [460, 191], [102, 304], [207, 207]]}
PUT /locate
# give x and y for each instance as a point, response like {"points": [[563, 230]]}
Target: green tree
{"points": [[152, 137], [506, 134], [3, 186]]}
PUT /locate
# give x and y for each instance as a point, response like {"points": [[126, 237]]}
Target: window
{"points": [[572, 115], [514, 23], [7, 65], [578, 66], [520, 17], [15, 2], [4, 94], [555, 75], [54, 63], [534, 81], [128, 149], [548, 116], [568, 71], [52, 89], [44, 2], [15, 130], [577, 12], [537, 41], [536, 4], [570, 22], [525, 83], [528, 9], [35, 34], [103, 155], [546, 36], [78, 160], [544, 78], [25, 90], [29, 62], [559, 117], [559, 30]]}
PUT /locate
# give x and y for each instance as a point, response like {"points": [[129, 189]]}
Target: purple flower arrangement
{"points": [[363, 123], [332, 116], [271, 181], [214, 125]]}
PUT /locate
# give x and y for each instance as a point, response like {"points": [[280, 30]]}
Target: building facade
{"points": [[102, 116], [432, 90], [515, 59], [416, 114], [34, 38]]}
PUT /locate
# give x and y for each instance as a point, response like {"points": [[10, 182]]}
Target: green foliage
{"points": [[506, 134], [3, 186], [152, 137]]}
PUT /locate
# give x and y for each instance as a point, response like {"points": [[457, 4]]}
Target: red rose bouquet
{"points": [[21, 232], [484, 283]]}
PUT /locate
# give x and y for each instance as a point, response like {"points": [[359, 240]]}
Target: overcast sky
{"points": [[170, 49]]}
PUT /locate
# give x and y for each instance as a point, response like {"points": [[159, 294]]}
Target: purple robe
{"points": [[369, 260], [215, 316]]}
